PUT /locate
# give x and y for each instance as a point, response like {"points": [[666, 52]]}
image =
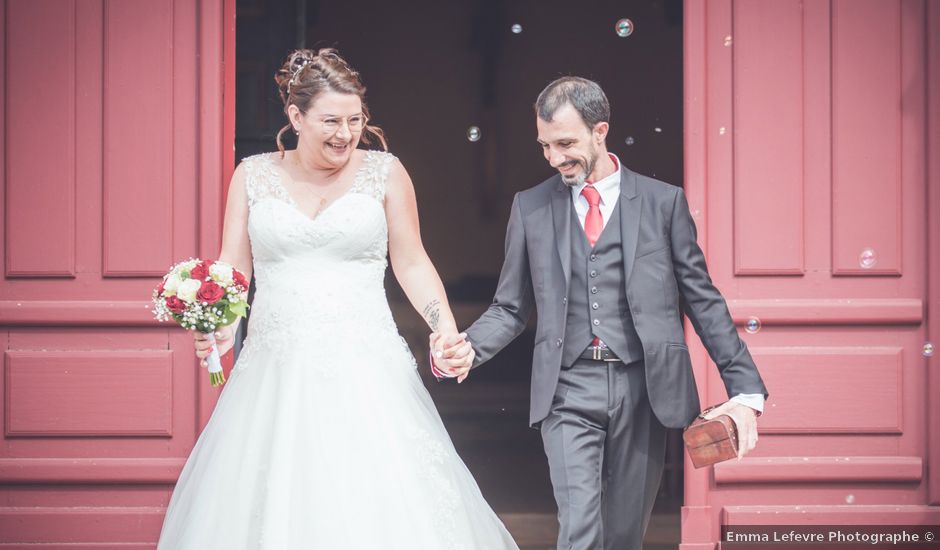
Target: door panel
{"points": [[807, 175], [105, 186]]}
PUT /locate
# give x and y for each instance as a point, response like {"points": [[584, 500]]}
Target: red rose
{"points": [[239, 279], [201, 271], [174, 304], [210, 292]]}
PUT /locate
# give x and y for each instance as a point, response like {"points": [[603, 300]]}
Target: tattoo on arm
{"points": [[432, 313]]}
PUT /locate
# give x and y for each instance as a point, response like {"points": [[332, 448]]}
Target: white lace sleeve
{"points": [[261, 179], [371, 180]]}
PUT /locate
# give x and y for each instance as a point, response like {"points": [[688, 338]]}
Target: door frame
{"points": [[696, 516], [216, 155], [932, 364]]}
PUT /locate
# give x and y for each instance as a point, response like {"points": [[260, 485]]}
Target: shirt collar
{"points": [[608, 188]]}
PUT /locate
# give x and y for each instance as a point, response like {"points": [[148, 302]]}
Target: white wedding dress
{"points": [[324, 436]]}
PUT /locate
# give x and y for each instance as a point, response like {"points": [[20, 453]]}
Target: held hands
{"points": [[452, 354], [745, 419], [224, 339]]}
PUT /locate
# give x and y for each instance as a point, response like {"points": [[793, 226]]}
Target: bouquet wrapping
{"points": [[202, 295]]}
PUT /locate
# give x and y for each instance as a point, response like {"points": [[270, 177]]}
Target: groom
{"points": [[605, 255]]}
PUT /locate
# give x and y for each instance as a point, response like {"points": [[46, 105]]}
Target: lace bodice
{"points": [[352, 228], [321, 275]]}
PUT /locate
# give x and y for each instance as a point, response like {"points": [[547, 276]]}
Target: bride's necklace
{"points": [[322, 198]]}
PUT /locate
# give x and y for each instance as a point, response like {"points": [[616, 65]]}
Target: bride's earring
{"points": [[296, 131]]}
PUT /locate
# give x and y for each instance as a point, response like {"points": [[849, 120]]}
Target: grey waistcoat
{"points": [[597, 300]]}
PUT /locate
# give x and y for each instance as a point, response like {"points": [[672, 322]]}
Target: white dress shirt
{"points": [[609, 190]]}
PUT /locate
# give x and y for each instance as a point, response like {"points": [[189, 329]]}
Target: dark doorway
{"points": [[439, 74]]}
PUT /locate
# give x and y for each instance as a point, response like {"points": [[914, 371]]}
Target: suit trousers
{"points": [[606, 451]]}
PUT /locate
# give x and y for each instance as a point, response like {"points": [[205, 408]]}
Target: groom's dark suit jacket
{"points": [[661, 263]]}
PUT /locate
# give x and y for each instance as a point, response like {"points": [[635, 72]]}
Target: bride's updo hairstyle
{"points": [[307, 74]]}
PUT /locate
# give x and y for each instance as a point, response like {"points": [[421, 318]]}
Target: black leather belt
{"points": [[599, 353]]}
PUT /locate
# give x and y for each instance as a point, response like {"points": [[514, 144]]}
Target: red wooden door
{"points": [[112, 171], [807, 173]]}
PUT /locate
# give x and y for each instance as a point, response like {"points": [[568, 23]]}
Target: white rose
{"points": [[188, 265], [171, 285], [187, 290], [221, 273]]}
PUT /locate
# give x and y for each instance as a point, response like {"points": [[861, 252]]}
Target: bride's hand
{"points": [[224, 339], [453, 354]]}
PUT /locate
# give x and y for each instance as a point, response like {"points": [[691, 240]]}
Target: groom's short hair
{"points": [[586, 96]]}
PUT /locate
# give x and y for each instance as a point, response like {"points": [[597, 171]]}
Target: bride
{"points": [[324, 436]]}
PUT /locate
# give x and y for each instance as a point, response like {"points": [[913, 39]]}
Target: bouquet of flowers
{"points": [[202, 295]]}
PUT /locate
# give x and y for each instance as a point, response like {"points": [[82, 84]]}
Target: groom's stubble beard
{"points": [[577, 179]]}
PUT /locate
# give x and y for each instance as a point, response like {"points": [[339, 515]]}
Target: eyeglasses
{"points": [[331, 125]]}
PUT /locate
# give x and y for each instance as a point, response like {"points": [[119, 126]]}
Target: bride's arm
{"points": [[410, 262], [236, 251]]}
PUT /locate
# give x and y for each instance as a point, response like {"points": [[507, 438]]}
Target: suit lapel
{"points": [[561, 215], [630, 208]]}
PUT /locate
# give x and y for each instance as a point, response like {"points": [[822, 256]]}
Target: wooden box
{"points": [[711, 441]]}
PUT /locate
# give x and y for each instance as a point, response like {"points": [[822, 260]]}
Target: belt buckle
{"points": [[597, 353]]}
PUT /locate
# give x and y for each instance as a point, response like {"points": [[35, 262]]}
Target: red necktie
{"points": [[594, 221]]}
